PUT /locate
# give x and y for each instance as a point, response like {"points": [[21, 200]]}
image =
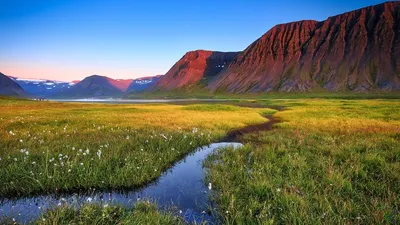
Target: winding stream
{"points": [[181, 186]]}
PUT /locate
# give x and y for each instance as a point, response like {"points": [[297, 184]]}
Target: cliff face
{"points": [[193, 67], [357, 51]]}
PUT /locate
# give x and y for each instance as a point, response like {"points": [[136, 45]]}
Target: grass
{"points": [[201, 93], [329, 162], [63, 147], [143, 213]]}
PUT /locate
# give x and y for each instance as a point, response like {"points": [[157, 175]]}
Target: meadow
{"points": [[329, 161], [63, 147]]}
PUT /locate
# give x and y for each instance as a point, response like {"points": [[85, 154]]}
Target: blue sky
{"points": [[69, 40]]}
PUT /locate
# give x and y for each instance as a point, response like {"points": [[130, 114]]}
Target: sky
{"points": [[71, 39]]}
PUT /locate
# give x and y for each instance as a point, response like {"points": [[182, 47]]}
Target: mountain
{"points": [[121, 84], [193, 67], [140, 84], [355, 51], [94, 86], [10, 87], [41, 87]]}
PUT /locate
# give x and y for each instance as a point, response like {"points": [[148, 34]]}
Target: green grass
{"points": [[63, 147], [325, 164], [143, 213], [207, 94], [210, 107], [330, 161]]}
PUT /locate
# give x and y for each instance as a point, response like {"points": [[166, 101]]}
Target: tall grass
{"points": [[52, 147], [330, 162]]}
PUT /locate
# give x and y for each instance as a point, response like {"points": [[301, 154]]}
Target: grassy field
{"points": [[62, 147], [143, 213], [330, 161]]}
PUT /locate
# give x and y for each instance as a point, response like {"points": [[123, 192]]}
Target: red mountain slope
{"points": [[356, 51], [193, 67]]}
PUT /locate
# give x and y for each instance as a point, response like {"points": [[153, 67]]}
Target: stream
{"points": [[181, 187]]}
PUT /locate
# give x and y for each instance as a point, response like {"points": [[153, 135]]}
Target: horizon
{"points": [[47, 41]]}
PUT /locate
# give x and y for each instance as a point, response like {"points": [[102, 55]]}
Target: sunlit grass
{"points": [[56, 147], [329, 162]]}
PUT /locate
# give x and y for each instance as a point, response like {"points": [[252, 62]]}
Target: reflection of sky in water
{"points": [[182, 187]]}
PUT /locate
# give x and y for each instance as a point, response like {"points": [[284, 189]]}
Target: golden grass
{"points": [[366, 116]]}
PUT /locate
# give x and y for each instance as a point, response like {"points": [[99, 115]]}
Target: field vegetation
{"points": [[329, 161], [62, 147]]}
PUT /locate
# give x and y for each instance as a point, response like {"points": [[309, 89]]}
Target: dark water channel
{"points": [[181, 187]]}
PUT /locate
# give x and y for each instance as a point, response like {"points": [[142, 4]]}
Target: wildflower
{"points": [[127, 137], [80, 150], [99, 153], [26, 153], [89, 199], [81, 164], [11, 132], [278, 190], [60, 155], [105, 206], [180, 211], [227, 212], [33, 163], [21, 141], [87, 151], [73, 148], [15, 159], [69, 170], [155, 170], [209, 186], [194, 130]]}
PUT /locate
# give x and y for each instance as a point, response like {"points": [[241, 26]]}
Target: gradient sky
{"points": [[71, 39]]}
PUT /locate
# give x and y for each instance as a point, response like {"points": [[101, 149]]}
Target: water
{"points": [[127, 101], [181, 186]]}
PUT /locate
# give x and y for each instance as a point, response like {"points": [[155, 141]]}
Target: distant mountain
{"points": [[94, 86], [41, 87], [10, 88], [140, 84], [355, 51], [193, 68], [121, 84]]}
